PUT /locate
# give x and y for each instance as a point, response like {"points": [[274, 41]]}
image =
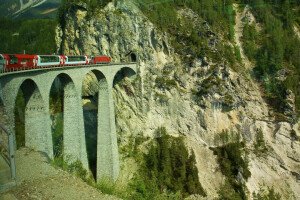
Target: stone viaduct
{"points": [[36, 86]]}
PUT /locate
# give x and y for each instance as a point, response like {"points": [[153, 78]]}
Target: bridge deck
{"points": [[60, 67]]}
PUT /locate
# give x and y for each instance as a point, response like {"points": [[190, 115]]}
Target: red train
{"points": [[14, 62]]}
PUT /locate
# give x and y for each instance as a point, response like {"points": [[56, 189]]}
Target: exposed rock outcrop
{"points": [[197, 101]]}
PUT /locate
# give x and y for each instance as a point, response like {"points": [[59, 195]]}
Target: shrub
{"points": [[19, 119], [293, 135], [169, 166], [106, 185], [74, 167], [232, 163], [260, 145], [268, 194]]}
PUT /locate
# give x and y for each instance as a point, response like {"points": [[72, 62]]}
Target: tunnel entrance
{"points": [[133, 57]]}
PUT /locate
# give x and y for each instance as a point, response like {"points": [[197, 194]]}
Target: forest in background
{"points": [[36, 36], [275, 48], [272, 49]]}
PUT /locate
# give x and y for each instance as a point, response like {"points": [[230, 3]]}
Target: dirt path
{"points": [[39, 180]]}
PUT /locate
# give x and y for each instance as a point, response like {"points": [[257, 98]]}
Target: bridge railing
{"points": [[7, 149], [25, 68]]}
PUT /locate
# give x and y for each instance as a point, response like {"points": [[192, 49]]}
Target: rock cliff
{"points": [[166, 93]]}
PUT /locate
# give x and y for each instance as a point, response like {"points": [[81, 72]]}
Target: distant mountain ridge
{"points": [[29, 9]]}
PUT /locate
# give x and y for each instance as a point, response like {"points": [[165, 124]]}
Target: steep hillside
{"points": [[29, 9], [192, 81]]}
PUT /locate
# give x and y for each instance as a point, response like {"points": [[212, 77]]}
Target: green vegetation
{"points": [[260, 145], [233, 162], [7, 8], [294, 135], [249, 39], [162, 82], [20, 119], [191, 39], [274, 48], [74, 167], [166, 171], [268, 194], [33, 36], [226, 137], [56, 111], [66, 5], [169, 167], [216, 13], [207, 84]]}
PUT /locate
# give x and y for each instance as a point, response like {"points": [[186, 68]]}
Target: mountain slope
{"points": [[189, 81], [29, 9]]}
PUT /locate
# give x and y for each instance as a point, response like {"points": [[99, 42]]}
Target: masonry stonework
{"points": [[37, 84]]}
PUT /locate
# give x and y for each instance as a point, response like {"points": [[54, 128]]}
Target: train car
{"points": [[14, 62], [76, 60], [100, 60], [49, 60]]}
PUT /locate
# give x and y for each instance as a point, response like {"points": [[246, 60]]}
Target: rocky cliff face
{"points": [[166, 93]]}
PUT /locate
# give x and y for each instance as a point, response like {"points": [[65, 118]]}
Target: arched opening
{"points": [[125, 72], [20, 119], [60, 103], [56, 116], [94, 90], [123, 78], [29, 116]]}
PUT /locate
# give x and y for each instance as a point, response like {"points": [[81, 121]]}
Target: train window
{"points": [[76, 58], [46, 59], [24, 60], [13, 59]]}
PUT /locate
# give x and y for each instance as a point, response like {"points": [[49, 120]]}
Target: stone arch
{"points": [[34, 115], [125, 72], [123, 76], [95, 103], [67, 138]]}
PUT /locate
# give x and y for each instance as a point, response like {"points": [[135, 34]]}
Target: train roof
{"points": [[20, 55]]}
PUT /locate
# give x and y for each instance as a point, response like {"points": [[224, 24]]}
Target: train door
{"points": [[61, 60]]}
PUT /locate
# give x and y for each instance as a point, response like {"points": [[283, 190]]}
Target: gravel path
{"points": [[39, 180]]}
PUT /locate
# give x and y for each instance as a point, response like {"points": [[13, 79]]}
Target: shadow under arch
{"points": [[125, 72], [95, 103], [122, 76], [61, 105], [30, 116]]}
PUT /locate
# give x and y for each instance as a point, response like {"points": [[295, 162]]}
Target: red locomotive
{"points": [[100, 59], [15, 62]]}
